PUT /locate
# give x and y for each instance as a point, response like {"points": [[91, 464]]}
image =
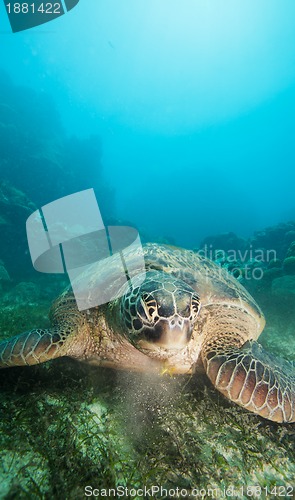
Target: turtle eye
{"points": [[141, 311], [195, 307], [147, 309], [138, 311]]}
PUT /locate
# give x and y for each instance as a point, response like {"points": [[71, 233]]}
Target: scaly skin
{"points": [[40, 345], [243, 371], [223, 339], [251, 378], [31, 348], [85, 336]]}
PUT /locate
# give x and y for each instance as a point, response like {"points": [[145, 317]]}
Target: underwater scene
{"points": [[147, 249]]}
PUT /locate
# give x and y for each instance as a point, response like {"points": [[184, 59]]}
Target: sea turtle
{"points": [[184, 314]]}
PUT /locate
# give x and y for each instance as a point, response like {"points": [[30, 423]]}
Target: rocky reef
{"points": [[261, 263], [15, 208], [39, 163], [38, 157]]}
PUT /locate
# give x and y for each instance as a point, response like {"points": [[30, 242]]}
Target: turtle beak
{"points": [[174, 333]]}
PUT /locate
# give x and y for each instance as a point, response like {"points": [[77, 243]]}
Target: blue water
{"points": [[192, 104], [180, 114]]}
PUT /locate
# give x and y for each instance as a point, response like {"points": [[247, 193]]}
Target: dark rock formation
{"points": [[277, 238], [15, 208], [224, 241]]}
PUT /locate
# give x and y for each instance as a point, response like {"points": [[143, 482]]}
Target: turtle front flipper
{"points": [[254, 379], [32, 347], [67, 337]]}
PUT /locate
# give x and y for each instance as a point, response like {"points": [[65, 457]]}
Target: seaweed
{"points": [[65, 426]]}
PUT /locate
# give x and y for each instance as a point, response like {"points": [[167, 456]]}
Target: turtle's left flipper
{"points": [[31, 348], [254, 379]]}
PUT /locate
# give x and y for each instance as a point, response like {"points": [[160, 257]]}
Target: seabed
{"points": [[65, 426]]}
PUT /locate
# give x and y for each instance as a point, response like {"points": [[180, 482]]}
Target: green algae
{"points": [[63, 428], [64, 425]]}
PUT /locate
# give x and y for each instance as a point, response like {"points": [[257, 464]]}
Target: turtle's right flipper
{"points": [[254, 379], [31, 348]]}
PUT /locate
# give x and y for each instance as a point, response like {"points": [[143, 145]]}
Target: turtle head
{"points": [[161, 311]]}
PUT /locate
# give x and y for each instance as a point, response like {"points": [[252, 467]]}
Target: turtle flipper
{"points": [[254, 379], [32, 347]]}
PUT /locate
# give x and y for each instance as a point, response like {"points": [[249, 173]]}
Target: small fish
{"points": [[111, 45]]}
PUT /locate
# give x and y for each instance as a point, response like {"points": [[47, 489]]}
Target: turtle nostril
{"points": [[174, 333], [176, 322]]}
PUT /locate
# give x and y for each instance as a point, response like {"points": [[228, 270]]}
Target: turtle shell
{"points": [[105, 280], [213, 284]]}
